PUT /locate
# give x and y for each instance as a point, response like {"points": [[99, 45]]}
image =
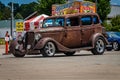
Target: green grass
{"points": [[2, 41]]}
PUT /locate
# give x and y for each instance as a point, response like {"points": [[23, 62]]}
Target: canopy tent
{"points": [[30, 24]]}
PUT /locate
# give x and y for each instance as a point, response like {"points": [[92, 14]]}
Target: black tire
{"points": [[17, 53], [48, 50], [116, 46], [99, 46], [69, 53]]}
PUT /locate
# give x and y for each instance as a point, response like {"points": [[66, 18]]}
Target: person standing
{"points": [[14, 35], [6, 42]]}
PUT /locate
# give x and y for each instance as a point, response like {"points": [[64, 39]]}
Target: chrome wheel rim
{"points": [[100, 46], [115, 45], [50, 49]]}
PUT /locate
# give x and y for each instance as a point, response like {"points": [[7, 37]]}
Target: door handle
{"points": [[82, 31]]}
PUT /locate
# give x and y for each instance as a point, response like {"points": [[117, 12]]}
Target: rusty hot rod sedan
{"points": [[65, 34]]}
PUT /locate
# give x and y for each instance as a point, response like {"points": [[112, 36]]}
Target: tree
{"points": [[27, 9], [18, 16], [45, 6], [1, 15], [6, 14], [103, 8], [15, 7], [2, 6], [108, 26], [115, 23]]}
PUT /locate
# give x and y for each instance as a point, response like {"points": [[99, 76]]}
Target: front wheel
{"points": [[116, 46], [48, 50], [18, 53], [99, 46]]}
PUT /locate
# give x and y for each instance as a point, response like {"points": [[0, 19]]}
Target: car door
{"points": [[87, 30], [72, 33]]}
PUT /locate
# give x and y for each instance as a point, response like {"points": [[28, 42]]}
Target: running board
{"points": [[31, 52], [83, 48]]}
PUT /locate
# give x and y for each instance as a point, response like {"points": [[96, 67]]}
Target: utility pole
{"points": [[12, 18]]}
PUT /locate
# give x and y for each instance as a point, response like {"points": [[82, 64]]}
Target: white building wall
{"points": [[115, 10]]}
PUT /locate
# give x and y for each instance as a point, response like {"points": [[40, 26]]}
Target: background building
{"points": [[115, 10], [5, 26]]}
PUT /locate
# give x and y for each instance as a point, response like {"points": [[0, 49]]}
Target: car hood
{"points": [[116, 38]]}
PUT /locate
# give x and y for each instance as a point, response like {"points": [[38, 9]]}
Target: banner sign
{"points": [[74, 7], [19, 27]]}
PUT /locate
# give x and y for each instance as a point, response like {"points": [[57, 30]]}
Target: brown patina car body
{"points": [[66, 34]]}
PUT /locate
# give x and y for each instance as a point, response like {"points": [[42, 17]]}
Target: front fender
{"points": [[40, 44], [43, 41], [96, 36], [12, 46]]}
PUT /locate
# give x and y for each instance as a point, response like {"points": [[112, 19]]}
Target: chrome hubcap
{"points": [[115, 45], [50, 49], [100, 46]]}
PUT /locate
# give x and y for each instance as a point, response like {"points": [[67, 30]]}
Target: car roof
{"points": [[70, 15]]}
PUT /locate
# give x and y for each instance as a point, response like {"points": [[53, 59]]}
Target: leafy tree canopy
{"points": [[15, 7], [18, 16], [115, 23], [27, 9], [45, 6], [4, 12]]}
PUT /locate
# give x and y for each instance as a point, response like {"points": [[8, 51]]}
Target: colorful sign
{"points": [[88, 7], [74, 7], [19, 27]]}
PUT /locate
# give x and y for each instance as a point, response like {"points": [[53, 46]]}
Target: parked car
{"points": [[114, 40], [67, 34]]}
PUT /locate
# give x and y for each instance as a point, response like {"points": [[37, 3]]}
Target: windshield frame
{"points": [[55, 22]]}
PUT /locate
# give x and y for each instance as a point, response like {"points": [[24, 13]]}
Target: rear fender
{"points": [[96, 36], [43, 41]]}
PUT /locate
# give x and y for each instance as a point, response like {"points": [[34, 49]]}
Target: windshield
{"points": [[118, 34], [114, 34], [53, 22]]}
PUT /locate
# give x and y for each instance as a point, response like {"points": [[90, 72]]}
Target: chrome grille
{"points": [[29, 39]]}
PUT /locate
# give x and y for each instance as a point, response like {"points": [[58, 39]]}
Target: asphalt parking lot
{"points": [[82, 66]]}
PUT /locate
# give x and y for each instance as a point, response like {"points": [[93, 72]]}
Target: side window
{"points": [[72, 21], [86, 20], [68, 23], [95, 20], [48, 22], [59, 22]]}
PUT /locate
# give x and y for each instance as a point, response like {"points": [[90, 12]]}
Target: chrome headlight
{"points": [[20, 38], [37, 36], [28, 46]]}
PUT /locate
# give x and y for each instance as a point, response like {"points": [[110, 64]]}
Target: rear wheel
{"points": [[48, 50], [69, 53], [99, 46], [116, 46]]}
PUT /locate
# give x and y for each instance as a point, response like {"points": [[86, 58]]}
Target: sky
{"points": [[17, 1], [115, 2]]}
